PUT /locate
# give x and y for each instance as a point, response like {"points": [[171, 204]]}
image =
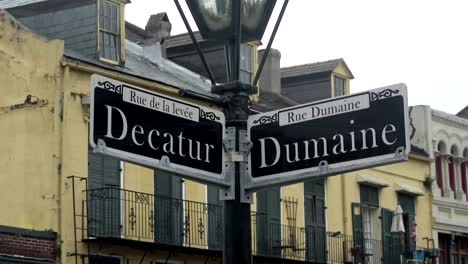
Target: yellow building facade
{"points": [[44, 117], [45, 161]]}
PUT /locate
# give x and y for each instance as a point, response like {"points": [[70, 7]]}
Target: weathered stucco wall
{"points": [[30, 79]]}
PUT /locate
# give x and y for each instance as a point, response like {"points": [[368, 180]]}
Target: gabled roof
{"points": [[312, 68], [184, 39], [463, 113], [181, 40], [5, 4], [271, 101]]}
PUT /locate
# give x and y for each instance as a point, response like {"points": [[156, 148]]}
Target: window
{"points": [[367, 223], [268, 222], [339, 86], [366, 226], [408, 205], [451, 173], [463, 177], [369, 195], [104, 196], [246, 68], [314, 216], [109, 31], [440, 181]]}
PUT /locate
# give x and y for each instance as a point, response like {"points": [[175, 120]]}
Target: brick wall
{"points": [[28, 246]]}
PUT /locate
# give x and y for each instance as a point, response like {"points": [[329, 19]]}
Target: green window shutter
{"points": [[269, 225], [391, 243], [407, 203], [314, 213], [168, 209], [215, 228], [95, 170], [369, 195], [104, 216], [411, 243], [111, 170], [358, 229]]}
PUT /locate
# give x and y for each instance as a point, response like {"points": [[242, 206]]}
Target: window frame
{"points": [[369, 188], [251, 58], [335, 79], [118, 34]]}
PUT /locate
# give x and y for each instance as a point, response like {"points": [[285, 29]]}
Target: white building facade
{"points": [[445, 138]]}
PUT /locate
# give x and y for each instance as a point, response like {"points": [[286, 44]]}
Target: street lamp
{"points": [[216, 19], [233, 22]]}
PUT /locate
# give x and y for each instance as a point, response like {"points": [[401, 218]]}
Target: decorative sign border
{"points": [[325, 169], [101, 82]]}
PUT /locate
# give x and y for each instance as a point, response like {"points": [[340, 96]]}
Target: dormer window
{"points": [[246, 63], [109, 31], [339, 86]]}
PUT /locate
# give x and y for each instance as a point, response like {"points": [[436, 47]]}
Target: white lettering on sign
{"points": [[311, 112], [161, 104], [169, 143], [317, 148]]}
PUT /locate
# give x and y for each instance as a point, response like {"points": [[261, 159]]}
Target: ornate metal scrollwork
{"points": [[266, 119], [201, 229], [151, 221], [383, 94], [209, 115], [187, 228], [142, 198], [111, 87], [132, 219]]}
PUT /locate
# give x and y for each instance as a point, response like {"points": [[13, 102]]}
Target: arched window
{"points": [[454, 153], [451, 165], [439, 171], [463, 172]]}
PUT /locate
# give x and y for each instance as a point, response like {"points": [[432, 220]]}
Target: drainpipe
{"points": [[343, 204], [58, 120]]}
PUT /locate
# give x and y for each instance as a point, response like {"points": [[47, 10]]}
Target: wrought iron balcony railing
{"points": [[122, 214], [117, 213], [346, 249]]}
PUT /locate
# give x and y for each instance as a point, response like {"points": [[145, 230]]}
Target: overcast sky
{"points": [[423, 43]]}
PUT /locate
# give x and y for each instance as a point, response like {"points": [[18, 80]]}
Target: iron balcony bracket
{"points": [[233, 156]]}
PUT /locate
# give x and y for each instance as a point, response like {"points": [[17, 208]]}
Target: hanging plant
{"points": [[428, 180]]}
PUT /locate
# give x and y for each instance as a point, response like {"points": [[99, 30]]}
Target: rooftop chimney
{"points": [[270, 78], [157, 28]]}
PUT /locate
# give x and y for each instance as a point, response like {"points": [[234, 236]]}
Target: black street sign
{"points": [[156, 130], [328, 137]]}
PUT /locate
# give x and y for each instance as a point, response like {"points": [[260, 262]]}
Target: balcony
{"points": [[118, 216]]}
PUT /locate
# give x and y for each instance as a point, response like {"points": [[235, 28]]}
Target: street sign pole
{"points": [[237, 225]]}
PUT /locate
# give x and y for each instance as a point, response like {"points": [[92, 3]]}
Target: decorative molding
{"points": [[111, 87], [209, 115], [383, 94], [450, 203], [448, 120], [266, 119], [408, 189], [373, 181]]}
